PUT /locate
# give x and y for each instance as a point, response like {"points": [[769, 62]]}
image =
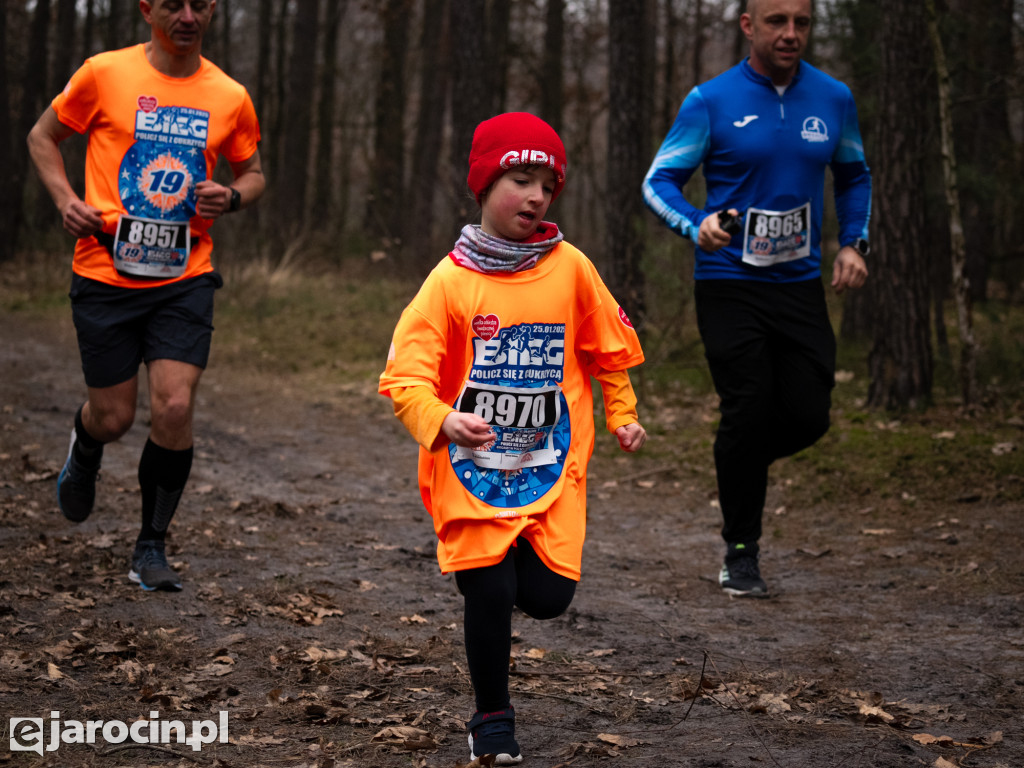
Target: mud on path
{"points": [[314, 613]]}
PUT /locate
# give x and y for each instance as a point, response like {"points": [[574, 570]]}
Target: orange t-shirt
{"points": [[518, 349], [152, 138]]}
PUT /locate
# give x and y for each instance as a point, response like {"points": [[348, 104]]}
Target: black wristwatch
{"points": [[236, 200], [861, 246]]}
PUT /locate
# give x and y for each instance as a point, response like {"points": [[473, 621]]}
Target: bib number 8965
{"points": [[779, 226]]}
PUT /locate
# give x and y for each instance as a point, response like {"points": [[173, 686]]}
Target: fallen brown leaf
{"points": [[618, 740]]}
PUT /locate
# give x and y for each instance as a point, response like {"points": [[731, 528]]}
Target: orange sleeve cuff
{"points": [[619, 398], [422, 413]]}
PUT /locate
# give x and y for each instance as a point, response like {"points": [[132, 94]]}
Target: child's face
{"points": [[515, 204]]}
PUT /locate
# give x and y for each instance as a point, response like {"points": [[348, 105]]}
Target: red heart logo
{"points": [[147, 103], [486, 327]]}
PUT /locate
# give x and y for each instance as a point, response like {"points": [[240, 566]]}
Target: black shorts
{"points": [[118, 328]]}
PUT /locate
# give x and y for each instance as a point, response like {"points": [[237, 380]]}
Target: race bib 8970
{"points": [[522, 419]]}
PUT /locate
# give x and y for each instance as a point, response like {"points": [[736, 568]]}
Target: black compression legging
{"points": [[521, 580]]}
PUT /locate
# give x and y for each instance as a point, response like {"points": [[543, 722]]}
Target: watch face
{"points": [[863, 246]]}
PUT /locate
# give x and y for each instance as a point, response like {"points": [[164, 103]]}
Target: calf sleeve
{"points": [[163, 474]]}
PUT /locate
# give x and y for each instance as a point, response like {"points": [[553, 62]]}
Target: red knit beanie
{"points": [[514, 138]]}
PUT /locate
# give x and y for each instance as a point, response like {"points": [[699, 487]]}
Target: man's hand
{"points": [[631, 437], [80, 219], [467, 429], [711, 236], [848, 270], [212, 199]]}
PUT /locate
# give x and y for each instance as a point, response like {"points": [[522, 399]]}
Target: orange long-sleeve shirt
{"points": [[519, 349]]}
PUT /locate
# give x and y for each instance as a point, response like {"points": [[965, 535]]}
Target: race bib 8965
{"points": [[773, 237]]}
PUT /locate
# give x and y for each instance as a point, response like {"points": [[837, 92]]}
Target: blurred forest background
{"points": [[367, 111]]}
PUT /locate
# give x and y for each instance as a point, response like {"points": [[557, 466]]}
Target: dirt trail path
{"points": [[314, 613]]}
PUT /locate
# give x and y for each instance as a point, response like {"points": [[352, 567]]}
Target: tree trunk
{"points": [[293, 172], [420, 251], [697, 52], [224, 12], [496, 64], [89, 30], [668, 104], [900, 361], [552, 81], [275, 136], [469, 99], [62, 59], [9, 196], [264, 63], [631, 104], [33, 93], [961, 285], [33, 80], [113, 31], [384, 204], [328, 216], [41, 214], [987, 66]]}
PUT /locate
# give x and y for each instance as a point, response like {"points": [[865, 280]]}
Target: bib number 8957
{"points": [[152, 234]]}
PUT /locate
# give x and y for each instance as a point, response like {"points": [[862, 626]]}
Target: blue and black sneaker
{"points": [[76, 485], [741, 575], [150, 569], [494, 733]]}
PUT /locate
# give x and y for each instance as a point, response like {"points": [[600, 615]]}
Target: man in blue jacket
{"points": [[765, 131]]}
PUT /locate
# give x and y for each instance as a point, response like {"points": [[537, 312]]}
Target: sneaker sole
{"points": [[172, 586], [755, 593], [503, 758]]}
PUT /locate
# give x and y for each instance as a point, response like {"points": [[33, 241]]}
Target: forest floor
{"points": [[313, 612]]}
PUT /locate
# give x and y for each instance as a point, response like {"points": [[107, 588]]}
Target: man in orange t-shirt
{"points": [[158, 116]]}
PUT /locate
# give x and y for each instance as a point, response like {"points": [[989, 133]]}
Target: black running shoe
{"points": [[494, 733], [76, 486], [150, 569], [741, 576]]}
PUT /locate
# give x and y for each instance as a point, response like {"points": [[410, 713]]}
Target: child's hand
{"points": [[467, 429], [631, 437]]}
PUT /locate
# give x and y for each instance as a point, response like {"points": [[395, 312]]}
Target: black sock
{"points": [[88, 450], [163, 474]]}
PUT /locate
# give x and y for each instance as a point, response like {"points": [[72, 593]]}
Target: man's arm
{"points": [[680, 154], [852, 185], [213, 199], [79, 218]]}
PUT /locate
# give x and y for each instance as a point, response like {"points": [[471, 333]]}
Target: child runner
{"points": [[489, 369]]}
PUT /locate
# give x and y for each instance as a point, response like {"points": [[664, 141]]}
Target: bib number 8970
{"points": [[505, 410]]}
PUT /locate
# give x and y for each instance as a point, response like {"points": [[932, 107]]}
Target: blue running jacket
{"points": [[768, 152]]}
